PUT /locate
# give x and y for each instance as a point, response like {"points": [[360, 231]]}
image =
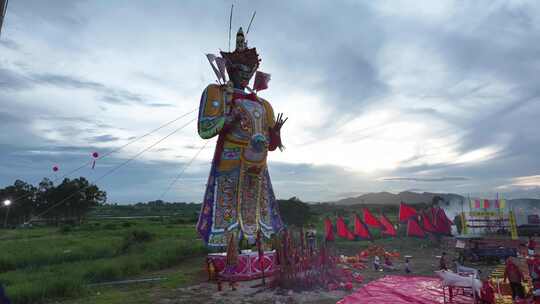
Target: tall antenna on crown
{"points": [[249, 26], [230, 25]]}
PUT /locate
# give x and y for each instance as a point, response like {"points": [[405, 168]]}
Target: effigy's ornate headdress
{"points": [[242, 55]]}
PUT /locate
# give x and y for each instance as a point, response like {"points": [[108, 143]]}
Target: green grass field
{"points": [[68, 264], [41, 264]]}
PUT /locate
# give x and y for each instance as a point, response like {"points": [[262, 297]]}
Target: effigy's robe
{"points": [[239, 196]]}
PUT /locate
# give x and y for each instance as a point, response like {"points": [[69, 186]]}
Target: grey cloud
{"points": [[67, 82], [12, 80], [104, 138], [428, 179], [331, 50], [162, 150], [160, 105], [10, 44], [109, 95], [7, 118]]}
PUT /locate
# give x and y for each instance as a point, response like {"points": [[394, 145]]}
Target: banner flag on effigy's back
{"points": [[370, 219], [261, 81], [406, 212], [360, 229], [328, 230], [388, 229], [414, 229]]}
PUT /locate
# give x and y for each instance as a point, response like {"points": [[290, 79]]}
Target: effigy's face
{"points": [[240, 45], [241, 74]]}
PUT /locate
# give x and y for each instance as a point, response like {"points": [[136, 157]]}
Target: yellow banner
{"points": [[513, 228], [484, 213]]}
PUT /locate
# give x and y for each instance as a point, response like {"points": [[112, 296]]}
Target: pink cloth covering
{"points": [[396, 289], [248, 268]]}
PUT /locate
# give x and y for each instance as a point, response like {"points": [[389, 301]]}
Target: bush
{"points": [[65, 229], [110, 226], [127, 224], [38, 292], [177, 220], [135, 238]]}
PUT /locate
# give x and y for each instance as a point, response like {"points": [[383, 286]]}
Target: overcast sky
{"points": [[381, 95]]}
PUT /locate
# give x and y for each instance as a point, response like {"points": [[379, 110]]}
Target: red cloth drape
{"points": [[388, 227], [406, 212], [414, 229], [360, 229], [427, 224], [443, 225], [328, 230], [370, 219]]}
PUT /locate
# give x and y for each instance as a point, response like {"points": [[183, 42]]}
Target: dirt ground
{"points": [[424, 261]]}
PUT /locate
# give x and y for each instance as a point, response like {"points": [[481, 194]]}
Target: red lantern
{"points": [[95, 155]]}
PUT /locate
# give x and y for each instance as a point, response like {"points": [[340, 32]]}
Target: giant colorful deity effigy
{"points": [[239, 200]]}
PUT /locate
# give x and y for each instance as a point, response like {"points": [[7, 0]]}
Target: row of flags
{"points": [[487, 204], [433, 220]]}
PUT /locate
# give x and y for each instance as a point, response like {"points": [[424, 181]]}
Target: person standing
{"points": [[531, 246], [376, 263], [443, 262], [515, 277], [407, 266], [487, 293]]}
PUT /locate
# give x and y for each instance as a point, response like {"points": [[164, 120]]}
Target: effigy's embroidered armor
{"points": [[239, 195]]}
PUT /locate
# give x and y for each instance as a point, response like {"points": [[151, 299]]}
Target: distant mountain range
{"points": [[387, 198]]}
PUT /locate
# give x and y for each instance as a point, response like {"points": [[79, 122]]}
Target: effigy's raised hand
{"points": [[280, 121]]}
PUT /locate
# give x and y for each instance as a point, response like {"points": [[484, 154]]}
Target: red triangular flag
{"points": [[427, 224], [360, 229], [370, 219], [388, 227], [406, 212], [350, 235], [413, 229], [341, 228], [328, 230]]}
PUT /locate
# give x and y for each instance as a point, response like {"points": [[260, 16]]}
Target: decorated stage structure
{"points": [[488, 217]]}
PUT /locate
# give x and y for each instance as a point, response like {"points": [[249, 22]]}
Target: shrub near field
{"points": [[40, 264]]}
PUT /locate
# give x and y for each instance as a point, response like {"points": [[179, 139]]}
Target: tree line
{"points": [[69, 201]]}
